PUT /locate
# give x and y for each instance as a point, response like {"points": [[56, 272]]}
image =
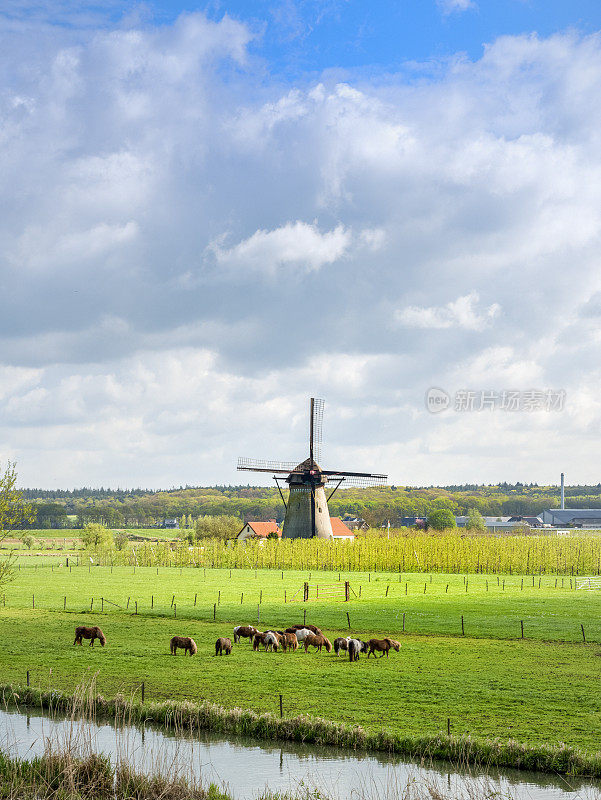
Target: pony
{"points": [[318, 641], [89, 633], [302, 633], [246, 631], [259, 639], [187, 644], [340, 644], [272, 640], [289, 641], [382, 646], [312, 628], [223, 645], [356, 646]]}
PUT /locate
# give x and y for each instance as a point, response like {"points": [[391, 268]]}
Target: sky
{"points": [[210, 213]]}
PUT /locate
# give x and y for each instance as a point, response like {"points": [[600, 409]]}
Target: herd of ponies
{"points": [[289, 639]]}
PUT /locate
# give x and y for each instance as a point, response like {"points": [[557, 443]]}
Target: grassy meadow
{"points": [[489, 681]]}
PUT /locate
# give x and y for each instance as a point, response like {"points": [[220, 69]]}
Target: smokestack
{"points": [[563, 505]]}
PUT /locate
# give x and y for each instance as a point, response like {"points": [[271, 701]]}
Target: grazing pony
{"points": [[246, 631], [185, 643], [340, 644], [382, 646], [259, 639], [302, 633], [318, 641], [89, 633], [312, 628], [356, 646], [289, 641], [223, 645]]}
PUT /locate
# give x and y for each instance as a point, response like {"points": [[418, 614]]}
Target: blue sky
{"points": [[209, 217], [299, 38]]}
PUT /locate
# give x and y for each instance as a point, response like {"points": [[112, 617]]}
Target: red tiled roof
{"points": [[264, 528], [339, 528]]}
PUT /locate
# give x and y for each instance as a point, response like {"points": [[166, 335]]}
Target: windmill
{"points": [[307, 514]]}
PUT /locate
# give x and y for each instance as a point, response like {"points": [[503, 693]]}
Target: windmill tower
{"points": [[307, 514]]}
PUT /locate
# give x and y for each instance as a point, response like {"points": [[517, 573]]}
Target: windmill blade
{"points": [[356, 478], [316, 423], [359, 481], [256, 465]]}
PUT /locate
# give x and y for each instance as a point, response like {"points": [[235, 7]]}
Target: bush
{"points": [[96, 537], [441, 520], [475, 520], [218, 527], [120, 538]]}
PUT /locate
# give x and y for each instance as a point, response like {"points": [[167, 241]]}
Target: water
{"points": [[245, 767]]}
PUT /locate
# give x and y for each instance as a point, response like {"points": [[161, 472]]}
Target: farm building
{"points": [[340, 531], [259, 530], [573, 517], [497, 524]]}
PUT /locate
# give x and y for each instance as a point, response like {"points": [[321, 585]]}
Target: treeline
{"points": [[142, 509]]}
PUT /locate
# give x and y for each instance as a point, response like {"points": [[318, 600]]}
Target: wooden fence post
{"points": [[214, 611], [281, 706], [348, 619], [462, 628], [28, 677], [522, 624], [583, 636], [142, 691], [347, 591]]}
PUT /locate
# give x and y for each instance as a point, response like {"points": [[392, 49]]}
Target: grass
{"points": [[540, 691]]}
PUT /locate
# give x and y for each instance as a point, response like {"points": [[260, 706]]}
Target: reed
{"points": [[188, 716]]}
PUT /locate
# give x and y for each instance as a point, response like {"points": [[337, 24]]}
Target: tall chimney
{"points": [[563, 505]]}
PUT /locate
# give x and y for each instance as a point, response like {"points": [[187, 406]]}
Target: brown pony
{"points": [[318, 641], [89, 633], [294, 628], [259, 639], [223, 645], [247, 631], [187, 644], [289, 640], [382, 646]]}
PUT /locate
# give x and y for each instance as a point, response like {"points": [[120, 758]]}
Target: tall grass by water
{"points": [[187, 716]]}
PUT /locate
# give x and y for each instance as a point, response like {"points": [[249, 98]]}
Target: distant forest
{"points": [[142, 508]]}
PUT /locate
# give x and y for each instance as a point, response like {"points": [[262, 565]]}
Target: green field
{"points": [[489, 682]]}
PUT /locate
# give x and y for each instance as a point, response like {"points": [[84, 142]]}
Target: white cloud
{"points": [[185, 238], [294, 246], [455, 6], [459, 313]]}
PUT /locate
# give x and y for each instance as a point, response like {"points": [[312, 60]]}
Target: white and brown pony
{"points": [[244, 631], [341, 644]]}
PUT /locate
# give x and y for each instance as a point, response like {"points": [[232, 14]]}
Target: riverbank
{"points": [[189, 716]]}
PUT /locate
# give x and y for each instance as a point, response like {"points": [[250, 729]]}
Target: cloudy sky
{"points": [[207, 216]]}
